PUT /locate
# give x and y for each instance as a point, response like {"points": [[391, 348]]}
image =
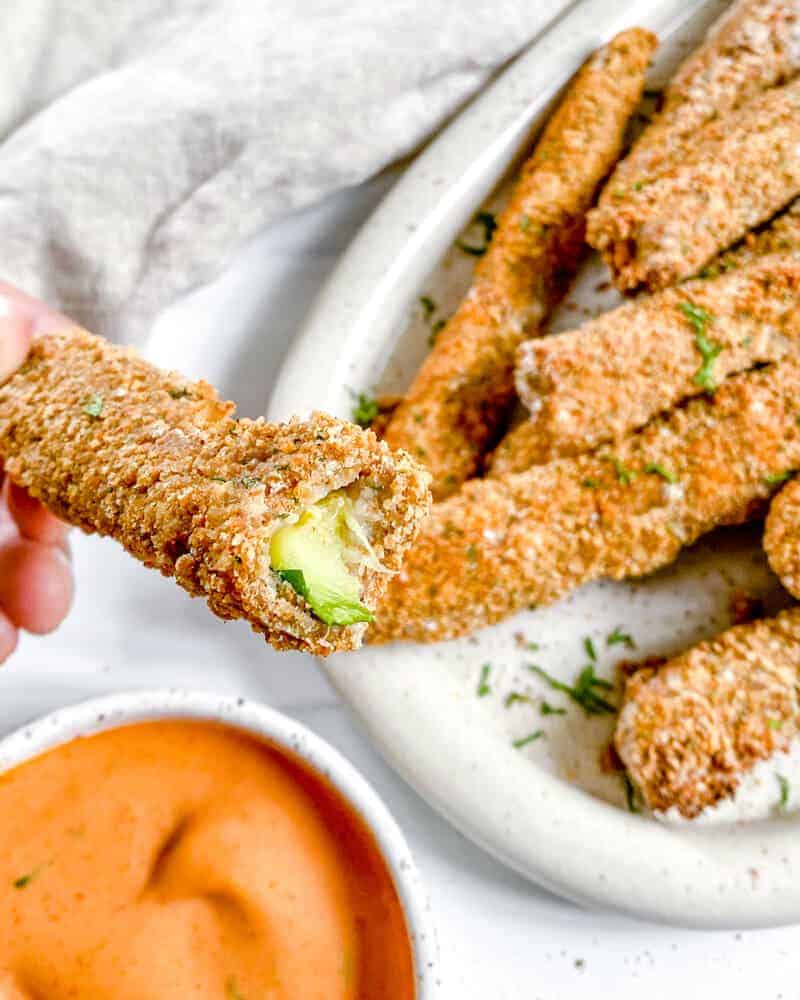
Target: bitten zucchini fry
{"points": [[458, 401], [296, 528]]}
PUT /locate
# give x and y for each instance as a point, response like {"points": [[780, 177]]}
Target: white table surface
{"points": [[500, 937]]}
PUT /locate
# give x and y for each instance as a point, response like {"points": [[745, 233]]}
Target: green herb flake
{"points": [[618, 637], [590, 484], [523, 741], [775, 724], [631, 799], [588, 645], [248, 482], [365, 409], [93, 407], [488, 222], [700, 319], [472, 553], [25, 880], [658, 470], [624, 475], [785, 787], [428, 305], [545, 708], [778, 477], [513, 697], [436, 329], [484, 687], [584, 692], [525, 223], [178, 393]]}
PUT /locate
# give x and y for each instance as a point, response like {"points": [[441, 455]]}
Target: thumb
{"points": [[16, 331]]}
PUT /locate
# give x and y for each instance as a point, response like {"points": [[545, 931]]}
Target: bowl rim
{"points": [[110, 711]]}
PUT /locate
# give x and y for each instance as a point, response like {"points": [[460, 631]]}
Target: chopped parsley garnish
{"points": [[585, 690], [785, 792], [630, 793], [547, 709], [775, 724], [709, 350], [472, 553], [523, 741], [625, 475], [428, 305], [618, 637], [248, 482], [657, 469], [778, 477], [489, 224], [588, 645], [590, 484], [93, 407], [435, 330], [28, 877], [365, 410], [483, 683], [178, 393], [524, 223], [514, 696]]}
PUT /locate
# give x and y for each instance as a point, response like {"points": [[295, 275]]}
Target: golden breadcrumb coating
{"points": [[501, 545], [782, 537], [614, 373], [753, 46], [690, 730], [737, 173], [460, 397], [113, 445]]}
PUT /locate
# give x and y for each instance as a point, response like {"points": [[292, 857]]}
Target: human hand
{"points": [[35, 575]]}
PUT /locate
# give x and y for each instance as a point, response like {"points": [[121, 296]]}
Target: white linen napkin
{"points": [[143, 140]]}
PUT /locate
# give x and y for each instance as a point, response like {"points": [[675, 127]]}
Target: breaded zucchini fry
{"points": [[782, 537], [461, 394], [614, 373], [296, 528], [501, 545], [753, 46], [736, 175], [690, 730]]}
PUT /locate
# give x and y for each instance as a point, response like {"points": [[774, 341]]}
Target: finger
{"points": [[33, 520], [35, 585], [9, 636], [16, 330], [40, 317]]}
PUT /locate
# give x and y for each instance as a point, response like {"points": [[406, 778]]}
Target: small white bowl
{"points": [[121, 709]]}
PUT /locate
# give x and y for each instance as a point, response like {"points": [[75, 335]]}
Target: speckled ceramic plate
{"points": [[544, 805]]}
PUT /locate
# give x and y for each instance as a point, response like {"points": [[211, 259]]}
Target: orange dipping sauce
{"points": [[187, 860]]}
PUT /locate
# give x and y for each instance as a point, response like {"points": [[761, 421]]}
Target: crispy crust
{"points": [[501, 545], [166, 470], [782, 537], [754, 46], [688, 731], [738, 173], [613, 374], [461, 394]]}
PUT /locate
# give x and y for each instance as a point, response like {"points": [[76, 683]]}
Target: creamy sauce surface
{"points": [[184, 859]]}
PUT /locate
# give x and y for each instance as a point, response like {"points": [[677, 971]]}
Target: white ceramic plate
{"points": [[547, 808]]}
